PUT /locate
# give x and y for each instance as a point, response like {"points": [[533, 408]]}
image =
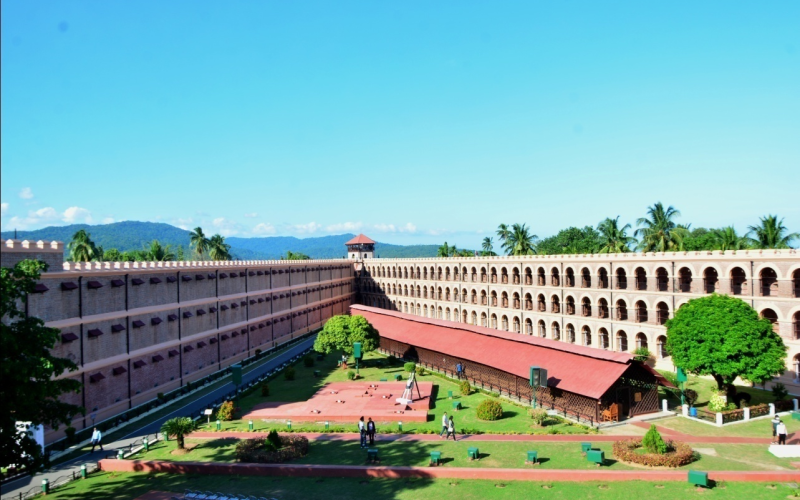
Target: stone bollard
{"points": [[664, 406], [120, 455], [795, 403], [83, 471], [685, 410], [772, 409], [45, 486], [719, 419], [746, 413]]}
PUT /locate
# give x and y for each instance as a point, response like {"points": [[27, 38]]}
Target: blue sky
{"points": [[408, 121]]}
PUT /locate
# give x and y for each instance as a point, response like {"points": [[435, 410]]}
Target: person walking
{"points": [[444, 425], [97, 438], [371, 432], [775, 421], [459, 371], [781, 432], [451, 428], [363, 431]]}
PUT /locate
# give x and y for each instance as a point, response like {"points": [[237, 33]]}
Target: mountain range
{"points": [[135, 235]]}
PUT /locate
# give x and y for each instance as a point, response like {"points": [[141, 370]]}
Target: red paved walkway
{"points": [[213, 468], [562, 438]]}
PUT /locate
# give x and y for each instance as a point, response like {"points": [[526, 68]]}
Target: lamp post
{"points": [[682, 378], [357, 354]]}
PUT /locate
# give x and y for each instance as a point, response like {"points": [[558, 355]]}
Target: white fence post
{"points": [[665, 407], [772, 409], [685, 409], [746, 413], [794, 401], [719, 419]]}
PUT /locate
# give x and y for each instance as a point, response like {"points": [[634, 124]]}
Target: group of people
{"points": [[778, 431], [367, 431], [448, 427]]}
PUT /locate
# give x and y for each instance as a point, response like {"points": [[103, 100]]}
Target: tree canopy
{"points": [[28, 391], [723, 336], [572, 239], [340, 332]]}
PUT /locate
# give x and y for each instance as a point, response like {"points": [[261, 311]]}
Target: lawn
{"points": [[755, 428], [127, 486], [375, 367], [497, 454], [705, 387]]}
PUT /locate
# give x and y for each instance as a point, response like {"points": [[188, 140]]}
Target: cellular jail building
{"points": [[137, 329]]}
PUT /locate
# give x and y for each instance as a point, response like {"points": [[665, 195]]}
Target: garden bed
{"points": [[678, 455], [267, 450]]}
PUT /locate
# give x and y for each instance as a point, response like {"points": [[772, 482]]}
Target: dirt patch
{"points": [[188, 448], [706, 451]]}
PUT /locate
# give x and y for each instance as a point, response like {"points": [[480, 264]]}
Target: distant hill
{"points": [[134, 235]]}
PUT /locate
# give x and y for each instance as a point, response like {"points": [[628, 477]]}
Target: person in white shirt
{"points": [[363, 432], [444, 425], [97, 437], [781, 433]]}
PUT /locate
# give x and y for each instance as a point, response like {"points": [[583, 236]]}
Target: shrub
{"points": [[391, 360], [420, 371], [678, 454], [226, 411], [288, 374], [273, 440], [409, 366], [779, 391], [308, 361], [351, 375], [466, 389], [691, 396], [261, 450], [653, 442], [539, 416], [718, 402], [490, 409], [264, 390]]}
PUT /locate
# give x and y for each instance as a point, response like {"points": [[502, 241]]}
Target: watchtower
{"points": [[360, 248]]}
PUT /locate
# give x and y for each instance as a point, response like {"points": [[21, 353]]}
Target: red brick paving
{"points": [[359, 400], [355, 471]]}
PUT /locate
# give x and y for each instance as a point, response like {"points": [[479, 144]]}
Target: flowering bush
{"points": [[718, 402], [466, 389], [262, 451], [226, 411], [490, 409], [538, 415], [678, 454]]}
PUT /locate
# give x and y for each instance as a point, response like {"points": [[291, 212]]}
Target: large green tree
{"points": [[28, 391], [723, 337], [572, 240], [340, 332], [82, 248], [156, 252], [218, 249], [520, 241], [198, 241], [771, 233], [613, 238], [725, 238], [658, 231], [295, 256]]}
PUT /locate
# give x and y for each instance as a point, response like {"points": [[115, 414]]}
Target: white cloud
{"points": [[311, 227], [3, 209], [408, 228], [26, 193], [344, 226], [264, 228], [251, 215], [108, 220], [183, 223], [391, 228], [43, 216], [76, 214], [385, 228], [224, 226]]}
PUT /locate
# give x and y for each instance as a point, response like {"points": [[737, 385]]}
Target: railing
{"points": [[706, 415], [59, 481], [759, 410]]}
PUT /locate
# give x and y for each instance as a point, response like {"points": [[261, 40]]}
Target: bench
{"points": [[596, 456], [698, 478], [533, 458], [473, 453], [456, 405], [436, 457], [372, 455]]}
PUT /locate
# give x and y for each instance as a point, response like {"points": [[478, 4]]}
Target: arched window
{"points": [[439, 313], [528, 276], [604, 341], [622, 311], [464, 296], [710, 280], [555, 304], [504, 276], [419, 312], [586, 307], [641, 341], [464, 317], [769, 282], [556, 331], [586, 278], [772, 317], [569, 278], [542, 329], [474, 297], [484, 300], [602, 309], [586, 336], [494, 275], [424, 292], [622, 279], [796, 368], [661, 347], [494, 321], [447, 294], [447, 314], [641, 312], [405, 307], [796, 326], [662, 313], [541, 305], [529, 327], [474, 318], [570, 331], [738, 281], [505, 323], [796, 283], [447, 273], [540, 279], [515, 276], [504, 296], [484, 279], [602, 278], [662, 280], [685, 280], [570, 306], [554, 277], [474, 275], [640, 275], [425, 311], [455, 274], [516, 301], [622, 341], [483, 319], [528, 302], [494, 299]]}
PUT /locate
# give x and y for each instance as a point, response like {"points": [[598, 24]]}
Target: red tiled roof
{"points": [[582, 370], [360, 240]]}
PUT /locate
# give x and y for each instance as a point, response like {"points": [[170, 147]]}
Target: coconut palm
{"points": [[503, 232], [158, 253], [82, 248], [487, 245], [519, 241], [771, 233], [218, 249], [178, 427], [726, 239], [443, 251], [658, 231], [614, 239], [198, 241]]}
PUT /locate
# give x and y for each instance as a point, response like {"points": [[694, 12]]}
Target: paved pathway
{"points": [[192, 406]]}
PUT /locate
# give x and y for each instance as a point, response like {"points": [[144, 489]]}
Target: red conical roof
{"points": [[360, 240]]}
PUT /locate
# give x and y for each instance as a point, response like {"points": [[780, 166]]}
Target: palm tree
{"points": [[453, 251], [659, 231], [771, 233], [198, 240], [178, 427], [218, 249], [82, 248], [158, 253], [487, 245], [443, 251], [519, 241], [614, 239], [726, 239], [502, 234]]}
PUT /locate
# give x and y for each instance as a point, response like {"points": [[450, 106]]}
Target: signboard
{"points": [[357, 350], [538, 377], [682, 375]]}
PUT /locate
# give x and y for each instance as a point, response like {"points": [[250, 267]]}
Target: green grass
{"points": [[374, 367], [497, 454], [756, 428], [705, 387], [127, 486]]}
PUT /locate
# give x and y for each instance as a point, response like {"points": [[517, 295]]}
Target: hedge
{"points": [[490, 409], [261, 451]]}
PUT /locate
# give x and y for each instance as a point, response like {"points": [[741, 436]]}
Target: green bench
{"points": [[383, 380], [473, 453], [596, 457], [585, 447], [436, 457], [533, 458], [698, 478], [449, 394], [372, 455], [456, 405]]}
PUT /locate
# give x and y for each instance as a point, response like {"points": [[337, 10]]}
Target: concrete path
{"points": [[192, 405]]}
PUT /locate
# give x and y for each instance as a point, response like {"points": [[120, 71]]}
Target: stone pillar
{"points": [[795, 403], [772, 409], [746, 413], [664, 406], [685, 410], [719, 419]]}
